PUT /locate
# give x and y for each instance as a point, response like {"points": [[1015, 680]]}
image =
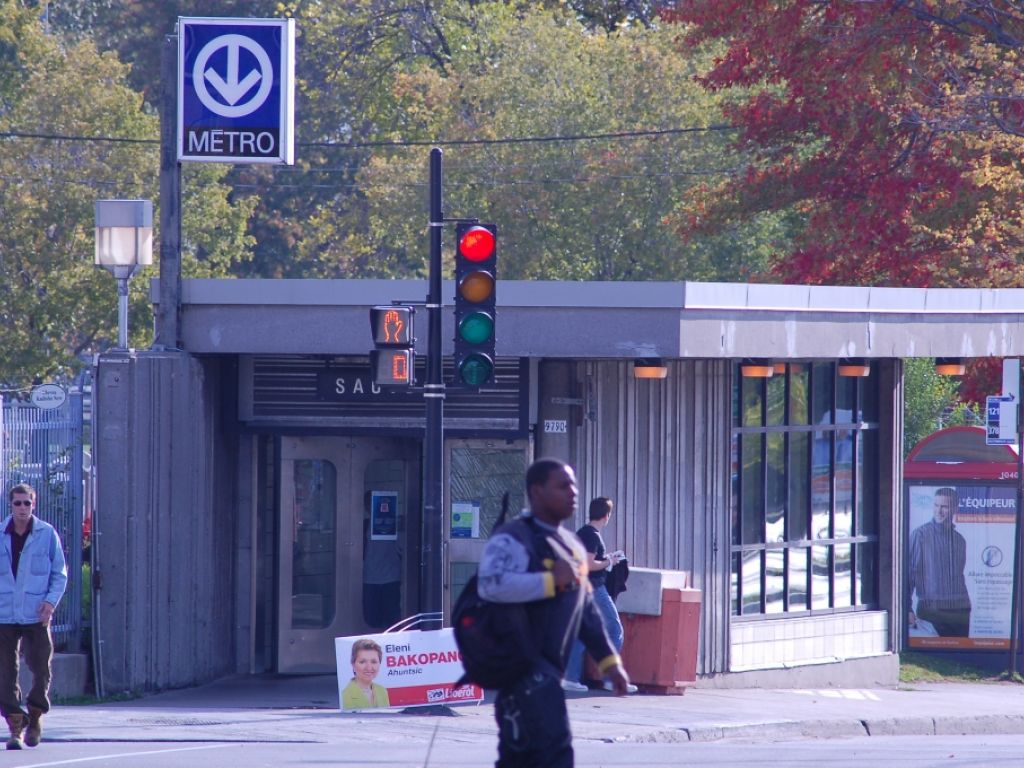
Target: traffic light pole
{"points": [[431, 587]]}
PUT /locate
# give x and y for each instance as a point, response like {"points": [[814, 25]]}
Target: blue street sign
{"points": [[1000, 420], [236, 90]]}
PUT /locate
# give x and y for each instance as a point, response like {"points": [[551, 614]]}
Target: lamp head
{"points": [[757, 368], [854, 366], [650, 368], [124, 234]]}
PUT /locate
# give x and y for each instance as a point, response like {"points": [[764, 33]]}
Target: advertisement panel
{"points": [[400, 669], [384, 516], [960, 555], [465, 520]]}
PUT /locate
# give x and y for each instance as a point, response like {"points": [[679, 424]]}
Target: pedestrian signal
{"points": [[391, 362]]}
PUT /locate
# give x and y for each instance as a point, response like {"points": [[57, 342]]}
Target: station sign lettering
{"points": [[236, 90]]}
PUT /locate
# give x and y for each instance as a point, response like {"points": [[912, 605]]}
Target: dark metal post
{"points": [[168, 319], [431, 587], [1017, 556]]}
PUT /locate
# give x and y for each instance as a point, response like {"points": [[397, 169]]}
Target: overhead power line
{"points": [[523, 139], [70, 137], [614, 135]]}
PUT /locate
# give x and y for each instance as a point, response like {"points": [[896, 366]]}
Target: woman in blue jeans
{"points": [[599, 562]]}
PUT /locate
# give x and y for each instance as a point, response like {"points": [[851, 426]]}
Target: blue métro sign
{"points": [[236, 90]]}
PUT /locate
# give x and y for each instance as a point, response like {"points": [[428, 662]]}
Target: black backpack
{"points": [[496, 640]]}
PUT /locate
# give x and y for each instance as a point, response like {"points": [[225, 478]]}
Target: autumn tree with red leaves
{"points": [[885, 131]]}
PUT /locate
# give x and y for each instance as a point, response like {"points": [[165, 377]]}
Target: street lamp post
{"points": [[124, 242]]}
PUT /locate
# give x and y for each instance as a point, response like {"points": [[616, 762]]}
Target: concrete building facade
{"points": [[236, 473]]}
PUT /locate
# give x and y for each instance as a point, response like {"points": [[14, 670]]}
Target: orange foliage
{"points": [[866, 123]]}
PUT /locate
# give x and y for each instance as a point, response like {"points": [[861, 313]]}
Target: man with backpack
{"points": [[535, 562]]}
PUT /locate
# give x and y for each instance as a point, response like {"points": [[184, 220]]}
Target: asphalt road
{"points": [[875, 752]]}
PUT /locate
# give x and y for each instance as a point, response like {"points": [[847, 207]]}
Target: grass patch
{"points": [[928, 668], [84, 701]]}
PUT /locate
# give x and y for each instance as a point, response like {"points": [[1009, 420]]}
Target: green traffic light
{"points": [[476, 369], [476, 328]]}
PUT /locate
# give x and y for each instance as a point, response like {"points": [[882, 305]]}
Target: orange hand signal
{"points": [[393, 325]]}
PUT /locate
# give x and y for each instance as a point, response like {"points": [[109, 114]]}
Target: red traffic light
{"points": [[477, 244]]}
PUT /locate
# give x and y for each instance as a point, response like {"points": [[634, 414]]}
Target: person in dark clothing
{"points": [[938, 557], [599, 563], [549, 575]]}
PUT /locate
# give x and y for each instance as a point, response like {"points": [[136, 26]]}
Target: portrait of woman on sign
{"points": [[362, 692]]}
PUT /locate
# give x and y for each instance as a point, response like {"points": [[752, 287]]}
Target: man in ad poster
{"points": [[938, 558], [960, 565]]}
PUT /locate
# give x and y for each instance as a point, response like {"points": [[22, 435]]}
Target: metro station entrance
{"points": [[348, 550]]}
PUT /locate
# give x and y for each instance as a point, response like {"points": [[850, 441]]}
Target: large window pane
{"points": [[822, 376], [735, 484], [775, 520], [799, 396], [821, 486], [867, 482], [751, 582], [482, 476], [776, 399], [313, 543], [867, 573], [797, 560], [752, 402], [752, 480], [802, 491], [843, 593], [737, 382], [775, 581], [820, 582], [846, 388], [843, 483], [799, 485], [734, 586], [869, 396]]}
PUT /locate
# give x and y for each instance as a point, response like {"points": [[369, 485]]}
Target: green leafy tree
{"points": [[55, 305], [135, 30], [567, 208], [931, 402], [371, 73]]}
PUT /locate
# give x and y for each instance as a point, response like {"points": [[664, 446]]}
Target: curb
{"points": [[835, 729]]}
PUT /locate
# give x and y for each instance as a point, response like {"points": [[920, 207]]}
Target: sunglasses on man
{"points": [[20, 503]]}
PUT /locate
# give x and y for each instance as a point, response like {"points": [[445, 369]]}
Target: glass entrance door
{"points": [[480, 472], [344, 555]]}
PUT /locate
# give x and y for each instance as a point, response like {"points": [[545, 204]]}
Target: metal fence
{"points": [[46, 449]]}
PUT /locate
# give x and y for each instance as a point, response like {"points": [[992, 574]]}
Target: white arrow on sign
{"points": [[229, 87]]}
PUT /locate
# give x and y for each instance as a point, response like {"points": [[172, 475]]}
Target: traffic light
{"points": [[475, 262], [392, 360]]}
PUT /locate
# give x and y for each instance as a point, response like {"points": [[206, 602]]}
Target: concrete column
{"points": [[164, 523]]}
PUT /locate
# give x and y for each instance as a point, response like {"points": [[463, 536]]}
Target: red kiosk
{"points": [[960, 507]]}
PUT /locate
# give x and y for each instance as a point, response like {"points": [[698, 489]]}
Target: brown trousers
{"points": [[37, 644]]}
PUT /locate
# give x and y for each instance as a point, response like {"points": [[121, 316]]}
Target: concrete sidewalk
{"points": [[303, 709]]}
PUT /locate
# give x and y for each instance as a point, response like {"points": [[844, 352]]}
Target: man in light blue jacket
{"points": [[32, 580]]}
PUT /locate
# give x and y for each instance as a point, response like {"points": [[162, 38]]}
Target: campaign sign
{"points": [[400, 669], [236, 90]]}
